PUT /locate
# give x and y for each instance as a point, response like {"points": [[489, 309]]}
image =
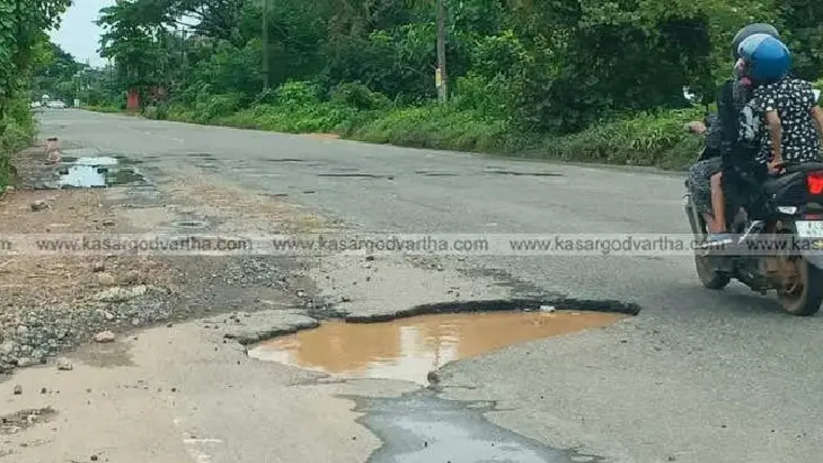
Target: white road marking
{"points": [[202, 441], [194, 446]]}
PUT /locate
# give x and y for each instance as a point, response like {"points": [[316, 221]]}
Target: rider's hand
{"points": [[776, 166]]}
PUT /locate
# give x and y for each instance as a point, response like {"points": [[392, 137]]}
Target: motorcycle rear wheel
{"points": [[805, 300]]}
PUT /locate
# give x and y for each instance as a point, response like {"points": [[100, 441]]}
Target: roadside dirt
{"points": [[28, 281], [53, 303]]}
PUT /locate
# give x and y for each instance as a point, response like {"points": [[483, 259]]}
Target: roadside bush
{"points": [[209, 108], [358, 96], [297, 94], [489, 96], [644, 139], [18, 129], [437, 126], [180, 112], [319, 117], [151, 112]]}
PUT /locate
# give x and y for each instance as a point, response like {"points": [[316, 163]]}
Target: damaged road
{"points": [[695, 377]]}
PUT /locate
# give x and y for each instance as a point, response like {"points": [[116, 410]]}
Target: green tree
{"points": [[132, 35], [801, 22], [22, 26], [56, 75]]}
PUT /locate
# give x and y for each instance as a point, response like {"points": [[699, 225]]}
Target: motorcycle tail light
{"points": [[814, 182]]}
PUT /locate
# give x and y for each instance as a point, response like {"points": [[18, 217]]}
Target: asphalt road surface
{"points": [[698, 376]]}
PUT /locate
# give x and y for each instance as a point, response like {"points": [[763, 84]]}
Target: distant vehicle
{"points": [[56, 104], [36, 105]]}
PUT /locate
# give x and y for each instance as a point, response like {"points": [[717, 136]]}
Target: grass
{"points": [[319, 117], [435, 126], [646, 139]]}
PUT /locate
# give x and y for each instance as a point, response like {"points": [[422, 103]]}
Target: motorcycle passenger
{"points": [[793, 121]]}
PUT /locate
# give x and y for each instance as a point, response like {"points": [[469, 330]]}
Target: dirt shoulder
{"points": [[55, 302]]}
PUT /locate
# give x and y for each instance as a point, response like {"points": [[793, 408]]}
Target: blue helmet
{"points": [[767, 58]]}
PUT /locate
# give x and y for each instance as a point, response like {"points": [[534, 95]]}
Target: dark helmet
{"points": [[767, 58], [750, 30]]}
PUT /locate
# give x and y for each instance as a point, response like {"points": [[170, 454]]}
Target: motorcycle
{"points": [[781, 249]]}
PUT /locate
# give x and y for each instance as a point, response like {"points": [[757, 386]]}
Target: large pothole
{"points": [[409, 348]]}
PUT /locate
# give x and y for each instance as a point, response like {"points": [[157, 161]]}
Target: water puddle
{"points": [[82, 177], [421, 427], [408, 349], [95, 172]]}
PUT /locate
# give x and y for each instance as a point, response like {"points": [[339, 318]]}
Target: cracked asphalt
{"points": [[697, 376]]}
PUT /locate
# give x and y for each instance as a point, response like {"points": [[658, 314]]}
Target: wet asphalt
{"points": [[698, 376], [420, 427]]}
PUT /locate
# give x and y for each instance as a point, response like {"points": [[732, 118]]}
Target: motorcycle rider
{"points": [[705, 176]]}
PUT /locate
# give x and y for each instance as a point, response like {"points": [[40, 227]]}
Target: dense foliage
{"points": [[519, 69], [22, 47]]}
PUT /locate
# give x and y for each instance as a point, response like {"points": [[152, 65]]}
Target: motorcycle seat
{"points": [[804, 167], [777, 184]]}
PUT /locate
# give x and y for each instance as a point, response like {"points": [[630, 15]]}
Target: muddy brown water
{"points": [[409, 348]]}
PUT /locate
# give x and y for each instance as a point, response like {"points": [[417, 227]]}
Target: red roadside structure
{"points": [[133, 103]]}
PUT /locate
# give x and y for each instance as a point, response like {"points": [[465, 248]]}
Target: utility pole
{"points": [[441, 78], [265, 45], [182, 55]]}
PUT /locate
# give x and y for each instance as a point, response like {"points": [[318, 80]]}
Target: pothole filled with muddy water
{"points": [[409, 348]]}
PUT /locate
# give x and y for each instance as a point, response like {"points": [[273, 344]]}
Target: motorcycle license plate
{"points": [[810, 228]]}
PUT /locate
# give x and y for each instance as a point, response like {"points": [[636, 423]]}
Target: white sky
{"points": [[78, 34]]}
